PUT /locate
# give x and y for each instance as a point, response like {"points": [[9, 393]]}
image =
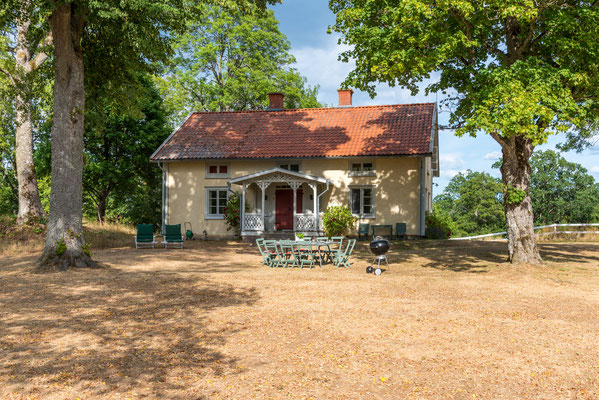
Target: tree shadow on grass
{"points": [[110, 332]]}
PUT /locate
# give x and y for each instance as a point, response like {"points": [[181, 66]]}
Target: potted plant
{"points": [[299, 236]]}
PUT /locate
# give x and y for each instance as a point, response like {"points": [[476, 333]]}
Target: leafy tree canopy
{"points": [[231, 60], [519, 68], [562, 191], [473, 200]]}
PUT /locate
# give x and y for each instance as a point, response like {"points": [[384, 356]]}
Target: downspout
{"points": [[422, 203], [164, 196], [318, 204]]}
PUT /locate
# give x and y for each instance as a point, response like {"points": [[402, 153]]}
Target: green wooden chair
{"points": [[305, 255], [266, 257], [363, 230], [145, 235], [172, 235], [400, 230], [334, 247], [341, 258], [288, 254], [271, 249]]}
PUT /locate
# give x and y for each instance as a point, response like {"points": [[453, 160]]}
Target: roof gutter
{"points": [[318, 204], [164, 196]]}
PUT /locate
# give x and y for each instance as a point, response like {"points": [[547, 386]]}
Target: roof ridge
{"points": [[313, 108]]}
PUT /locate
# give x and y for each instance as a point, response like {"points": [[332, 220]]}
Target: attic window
{"points": [[290, 167], [217, 171], [362, 168]]}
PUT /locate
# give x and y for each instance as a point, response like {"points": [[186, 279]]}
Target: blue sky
{"points": [[305, 23]]}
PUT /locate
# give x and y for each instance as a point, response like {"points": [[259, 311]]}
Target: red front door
{"points": [[284, 208]]}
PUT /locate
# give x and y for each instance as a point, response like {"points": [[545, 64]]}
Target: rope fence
{"points": [[554, 231]]}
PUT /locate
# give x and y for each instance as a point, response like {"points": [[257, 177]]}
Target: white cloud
{"points": [[451, 161], [494, 155], [595, 169], [450, 173], [321, 67]]}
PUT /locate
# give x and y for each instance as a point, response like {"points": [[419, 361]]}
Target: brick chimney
{"points": [[345, 97], [276, 101]]}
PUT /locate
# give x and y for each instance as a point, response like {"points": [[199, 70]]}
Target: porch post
{"points": [[243, 207], [294, 204], [315, 208], [262, 206]]}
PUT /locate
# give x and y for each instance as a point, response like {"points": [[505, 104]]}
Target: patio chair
{"points": [[334, 247], [272, 251], [145, 235], [287, 252], [266, 257], [172, 235], [400, 230], [305, 255], [341, 258], [363, 230]]}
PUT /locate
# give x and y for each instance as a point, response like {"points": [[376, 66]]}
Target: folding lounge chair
{"points": [[145, 235], [341, 258], [172, 235]]}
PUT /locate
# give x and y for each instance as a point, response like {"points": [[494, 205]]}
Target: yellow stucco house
{"points": [[290, 165]]}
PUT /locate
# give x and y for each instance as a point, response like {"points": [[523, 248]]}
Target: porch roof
{"points": [[278, 174]]}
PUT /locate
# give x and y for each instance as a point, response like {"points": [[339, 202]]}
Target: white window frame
{"points": [[289, 164], [362, 215], [362, 172], [217, 175], [212, 189]]}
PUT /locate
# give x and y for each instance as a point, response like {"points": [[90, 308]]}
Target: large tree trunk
{"points": [[515, 171], [30, 206], [101, 206], [65, 222]]}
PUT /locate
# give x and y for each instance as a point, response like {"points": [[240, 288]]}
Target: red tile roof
{"points": [[403, 129]]}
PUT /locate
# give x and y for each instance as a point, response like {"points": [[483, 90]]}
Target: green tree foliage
{"points": [[117, 176], [8, 179], [518, 71], [474, 202], [231, 60], [562, 191]]}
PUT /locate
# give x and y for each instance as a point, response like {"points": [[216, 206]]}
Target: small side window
{"points": [[217, 171]]}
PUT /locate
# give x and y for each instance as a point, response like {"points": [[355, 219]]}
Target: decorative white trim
{"points": [[278, 175]]}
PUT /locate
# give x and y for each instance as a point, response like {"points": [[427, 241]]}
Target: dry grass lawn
{"points": [[449, 320]]}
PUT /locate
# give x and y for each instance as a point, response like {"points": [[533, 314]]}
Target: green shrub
{"points": [[336, 220], [232, 212], [438, 226]]}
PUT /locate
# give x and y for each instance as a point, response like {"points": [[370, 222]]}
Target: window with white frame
{"points": [[362, 201], [216, 201], [362, 168], [217, 170], [290, 167]]}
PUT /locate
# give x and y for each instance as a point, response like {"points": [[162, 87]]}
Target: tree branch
{"points": [[9, 76], [43, 56], [499, 139]]}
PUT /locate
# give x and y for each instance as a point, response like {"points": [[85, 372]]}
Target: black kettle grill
{"points": [[379, 247]]}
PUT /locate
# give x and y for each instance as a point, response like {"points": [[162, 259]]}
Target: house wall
{"points": [[396, 185]]}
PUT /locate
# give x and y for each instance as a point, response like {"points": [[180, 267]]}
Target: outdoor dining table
{"points": [[319, 245]]}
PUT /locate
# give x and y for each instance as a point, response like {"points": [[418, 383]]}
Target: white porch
{"points": [[279, 200]]}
